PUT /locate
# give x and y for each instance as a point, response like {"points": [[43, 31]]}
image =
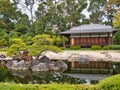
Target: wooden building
{"points": [[88, 35]]}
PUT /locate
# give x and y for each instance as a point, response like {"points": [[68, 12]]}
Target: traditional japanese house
{"points": [[88, 35]]}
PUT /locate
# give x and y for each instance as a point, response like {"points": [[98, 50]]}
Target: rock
{"points": [[61, 65], [40, 67], [53, 67], [2, 56], [45, 59], [16, 65], [19, 73]]}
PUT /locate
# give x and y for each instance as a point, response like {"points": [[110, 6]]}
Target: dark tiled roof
{"points": [[90, 28]]}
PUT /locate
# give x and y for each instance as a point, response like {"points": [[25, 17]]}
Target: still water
{"points": [[28, 76]]}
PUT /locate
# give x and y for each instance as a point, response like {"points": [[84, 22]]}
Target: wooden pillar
{"points": [[72, 41], [109, 39]]}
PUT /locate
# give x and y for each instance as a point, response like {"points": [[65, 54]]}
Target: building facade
{"points": [[88, 35]]}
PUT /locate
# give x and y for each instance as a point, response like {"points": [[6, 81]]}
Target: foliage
{"points": [[96, 47], [106, 48], [116, 22], [75, 47], [36, 50], [96, 10], [114, 47], [21, 29], [43, 39], [110, 83], [8, 86], [111, 7], [12, 34], [3, 42], [15, 46], [3, 73], [117, 37], [27, 39]]}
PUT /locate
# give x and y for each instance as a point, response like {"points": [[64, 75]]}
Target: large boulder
{"points": [[17, 65], [40, 67]]}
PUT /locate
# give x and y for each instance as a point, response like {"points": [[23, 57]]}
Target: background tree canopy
{"points": [[19, 19]]}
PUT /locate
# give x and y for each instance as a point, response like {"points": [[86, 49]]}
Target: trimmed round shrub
{"points": [[106, 47], [110, 83], [96, 47], [75, 47]]}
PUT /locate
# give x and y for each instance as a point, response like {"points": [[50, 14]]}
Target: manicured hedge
{"points": [[8, 86], [75, 47], [110, 83], [106, 48], [96, 47], [114, 47]]}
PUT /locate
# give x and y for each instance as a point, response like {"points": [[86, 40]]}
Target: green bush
{"points": [[3, 73], [110, 83], [106, 47], [12, 86], [75, 47], [114, 47], [62, 48], [96, 47]]}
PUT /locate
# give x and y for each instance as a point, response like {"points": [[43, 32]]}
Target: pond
{"points": [[28, 76]]}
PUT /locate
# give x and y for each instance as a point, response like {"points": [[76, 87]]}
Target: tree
{"points": [[41, 43], [117, 37], [112, 6], [71, 10], [96, 8], [116, 21], [43, 39], [15, 46], [28, 5], [7, 14], [21, 29]]}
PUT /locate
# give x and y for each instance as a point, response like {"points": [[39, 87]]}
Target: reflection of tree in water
{"points": [[27, 76], [94, 81]]}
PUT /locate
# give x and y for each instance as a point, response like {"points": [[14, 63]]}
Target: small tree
{"points": [[43, 39], [41, 43], [15, 46]]}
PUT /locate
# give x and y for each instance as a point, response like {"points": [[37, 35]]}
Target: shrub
{"points": [[106, 48], [96, 47], [75, 47], [114, 47], [62, 48], [110, 83], [3, 73]]}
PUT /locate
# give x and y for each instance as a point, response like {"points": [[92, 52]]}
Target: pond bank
{"points": [[94, 55]]}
